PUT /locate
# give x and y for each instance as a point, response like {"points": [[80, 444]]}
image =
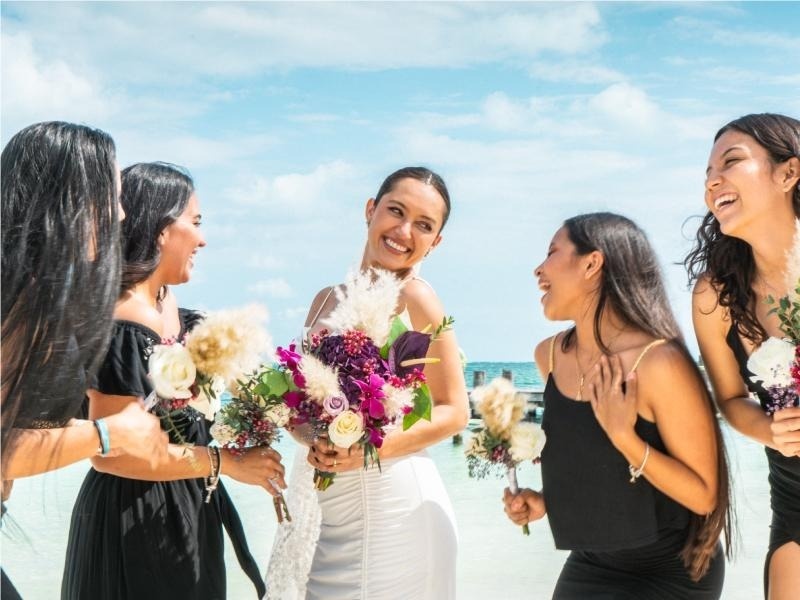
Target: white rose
{"points": [[770, 363], [205, 403], [278, 414], [526, 441], [346, 429], [172, 371], [223, 433]]}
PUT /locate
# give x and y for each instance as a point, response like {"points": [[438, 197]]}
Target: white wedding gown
{"points": [[373, 535]]}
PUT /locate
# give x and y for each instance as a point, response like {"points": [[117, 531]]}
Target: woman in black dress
{"points": [[60, 276], [137, 531], [740, 258], [634, 476]]}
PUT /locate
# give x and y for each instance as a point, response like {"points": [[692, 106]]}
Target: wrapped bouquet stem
{"points": [[502, 440]]}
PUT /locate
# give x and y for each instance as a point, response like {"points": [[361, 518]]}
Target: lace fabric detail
{"points": [[295, 541]]}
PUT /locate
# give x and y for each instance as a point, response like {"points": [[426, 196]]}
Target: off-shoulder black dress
{"points": [[150, 540]]}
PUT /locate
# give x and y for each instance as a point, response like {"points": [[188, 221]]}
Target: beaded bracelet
{"points": [[105, 439], [215, 458], [636, 473]]}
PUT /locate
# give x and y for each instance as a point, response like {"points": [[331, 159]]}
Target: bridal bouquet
{"points": [[502, 440], [198, 368], [776, 363], [361, 375]]}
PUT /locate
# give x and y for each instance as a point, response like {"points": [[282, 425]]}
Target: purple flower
{"points": [[780, 397], [375, 437], [408, 346], [371, 395], [334, 405], [293, 399]]}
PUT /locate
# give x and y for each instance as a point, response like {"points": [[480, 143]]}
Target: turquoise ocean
{"points": [[495, 560]]}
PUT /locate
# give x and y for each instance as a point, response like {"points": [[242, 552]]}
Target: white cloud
{"points": [[628, 105], [267, 262], [233, 39], [36, 89], [294, 313], [273, 288], [574, 72], [298, 192]]}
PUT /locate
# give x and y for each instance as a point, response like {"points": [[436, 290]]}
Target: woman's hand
{"points": [[615, 410], [325, 456], [785, 428], [136, 432], [257, 466], [524, 507]]}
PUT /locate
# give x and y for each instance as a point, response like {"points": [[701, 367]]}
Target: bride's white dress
{"points": [[371, 535]]}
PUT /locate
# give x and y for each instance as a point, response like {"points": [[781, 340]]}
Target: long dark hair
{"points": [[60, 269], [153, 196], [728, 261], [422, 174], [633, 288]]}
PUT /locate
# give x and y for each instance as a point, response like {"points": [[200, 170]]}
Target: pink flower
{"points": [[334, 405], [371, 395]]}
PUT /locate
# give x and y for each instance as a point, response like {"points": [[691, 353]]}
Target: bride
{"points": [[385, 533]]}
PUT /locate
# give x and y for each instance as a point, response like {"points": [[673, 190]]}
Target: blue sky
{"points": [[289, 115]]}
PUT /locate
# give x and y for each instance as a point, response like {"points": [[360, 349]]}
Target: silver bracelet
{"points": [[215, 458], [636, 473]]}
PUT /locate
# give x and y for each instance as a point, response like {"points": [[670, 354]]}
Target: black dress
{"points": [[784, 471], [625, 537], [150, 540]]}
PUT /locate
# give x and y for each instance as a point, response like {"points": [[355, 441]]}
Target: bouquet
{"points": [[776, 363], [361, 376], [253, 418], [502, 440], [198, 368]]}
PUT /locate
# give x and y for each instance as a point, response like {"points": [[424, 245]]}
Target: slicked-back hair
{"points": [[422, 174]]}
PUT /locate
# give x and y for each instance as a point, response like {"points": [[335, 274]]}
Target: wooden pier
{"points": [[533, 397]]}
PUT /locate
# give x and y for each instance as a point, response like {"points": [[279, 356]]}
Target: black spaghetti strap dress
{"points": [[784, 471], [150, 540], [624, 537]]}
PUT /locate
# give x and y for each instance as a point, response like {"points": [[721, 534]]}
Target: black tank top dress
{"points": [[625, 538], [784, 471]]}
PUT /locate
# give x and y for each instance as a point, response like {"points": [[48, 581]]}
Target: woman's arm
{"points": [[711, 326], [36, 451], [666, 384], [257, 466]]}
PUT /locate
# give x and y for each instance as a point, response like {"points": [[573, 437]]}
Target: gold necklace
{"points": [[581, 373]]}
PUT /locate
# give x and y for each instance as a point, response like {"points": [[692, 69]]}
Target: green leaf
{"points": [[422, 407], [276, 382], [398, 328]]}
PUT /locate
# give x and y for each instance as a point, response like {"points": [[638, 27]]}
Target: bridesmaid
{"points": [[635, 481], [155, 532], [740, 258]]}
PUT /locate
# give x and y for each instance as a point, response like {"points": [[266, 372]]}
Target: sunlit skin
{"points": [[402, 228], [751, 197], [179, 243]]}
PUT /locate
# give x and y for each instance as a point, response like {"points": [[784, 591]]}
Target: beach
{"points": [[494, 557]]}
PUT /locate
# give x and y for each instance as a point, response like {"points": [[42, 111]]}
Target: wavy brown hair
{"points": [[728, 261]]}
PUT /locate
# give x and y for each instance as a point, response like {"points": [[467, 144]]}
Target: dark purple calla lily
{"points": [[408, 346]]}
